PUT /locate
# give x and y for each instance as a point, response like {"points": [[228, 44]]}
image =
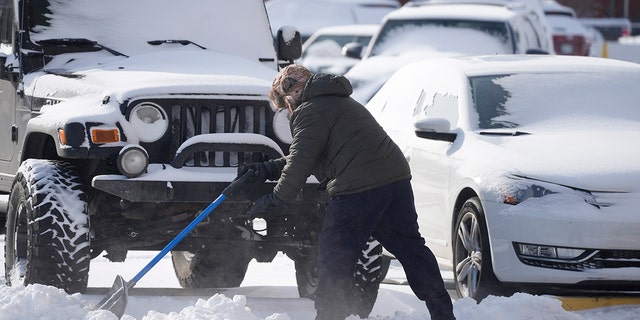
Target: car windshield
{"points": [[555, 99], [444, 35], [127, 26]]}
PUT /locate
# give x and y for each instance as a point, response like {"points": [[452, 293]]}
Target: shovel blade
{"points": [[116, 299]]}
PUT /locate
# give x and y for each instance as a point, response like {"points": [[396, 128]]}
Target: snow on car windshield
{"points": [[461, 36], [127, 26], [564, 99]]}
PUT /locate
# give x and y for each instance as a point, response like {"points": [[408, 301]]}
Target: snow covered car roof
{"points": [[493, 64], [454, 10]]}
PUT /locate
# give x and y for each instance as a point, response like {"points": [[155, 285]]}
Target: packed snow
{"points": [[268, 292]]}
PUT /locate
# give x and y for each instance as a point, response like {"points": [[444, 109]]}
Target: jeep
{"points": [[123, 120]]}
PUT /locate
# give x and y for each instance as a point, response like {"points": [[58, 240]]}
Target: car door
{"points": [[430, 163], [7, 84]]}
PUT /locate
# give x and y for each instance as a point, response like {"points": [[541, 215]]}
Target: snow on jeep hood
{"points": [[168, 72]]}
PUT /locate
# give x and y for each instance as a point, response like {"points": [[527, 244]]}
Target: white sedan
{"points": [[526, 169]]}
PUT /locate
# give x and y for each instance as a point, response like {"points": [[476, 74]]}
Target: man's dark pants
{"points": [[388, 214]]}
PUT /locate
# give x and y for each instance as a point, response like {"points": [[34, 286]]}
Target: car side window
{"points": [[439, 105]]}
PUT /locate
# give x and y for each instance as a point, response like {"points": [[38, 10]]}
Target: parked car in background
{"points": [[427, 29], [323, 51], [525, 168], [611, 29], [310, 15], [570, 36]]}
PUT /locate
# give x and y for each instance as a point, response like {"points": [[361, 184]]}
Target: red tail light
{"points": [[571, 45]]}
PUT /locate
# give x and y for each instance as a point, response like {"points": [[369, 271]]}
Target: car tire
{"points": [[371, 269], [216, 267], [473, 270], [47, 236]]}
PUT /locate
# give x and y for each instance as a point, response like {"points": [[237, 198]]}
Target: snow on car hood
{"points": [[166, 72], [596, 160]]}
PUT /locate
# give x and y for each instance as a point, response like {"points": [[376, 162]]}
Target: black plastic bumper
{"points": [[180, 191]]}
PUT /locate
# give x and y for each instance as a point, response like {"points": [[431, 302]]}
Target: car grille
{"points": [[602, 259]]}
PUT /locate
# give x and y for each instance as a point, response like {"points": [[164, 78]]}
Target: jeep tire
{"points": [[47, 235], [371, 269], [216, 267]]}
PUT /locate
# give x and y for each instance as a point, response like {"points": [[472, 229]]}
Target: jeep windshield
{"points": [[127, 26]]}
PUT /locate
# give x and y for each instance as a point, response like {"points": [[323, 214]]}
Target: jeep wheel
{"points": [[47, 240], [221, 267], [371, 269], [307, 276]]}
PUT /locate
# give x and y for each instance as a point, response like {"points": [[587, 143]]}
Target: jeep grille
{"points": [[192, 117]]}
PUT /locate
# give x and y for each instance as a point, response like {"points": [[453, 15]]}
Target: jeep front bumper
{"points": [[164, 183]]}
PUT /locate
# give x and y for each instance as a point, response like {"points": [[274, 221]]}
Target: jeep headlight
{"points": [[133, 160], [150, 120], [281, 127]]}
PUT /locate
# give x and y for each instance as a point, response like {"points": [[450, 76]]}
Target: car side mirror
{"points": [[289, 44], [434, 129], [353, 50]]}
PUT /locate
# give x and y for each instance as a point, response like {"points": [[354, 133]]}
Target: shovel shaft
{"points": [[116, 299], [203, 215]]}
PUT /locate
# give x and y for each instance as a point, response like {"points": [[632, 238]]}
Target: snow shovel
{"points": [[116, 299]]}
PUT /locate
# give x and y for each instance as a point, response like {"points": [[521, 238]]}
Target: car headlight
{"points": [[518, 195], [133, 160], [151, 121]]}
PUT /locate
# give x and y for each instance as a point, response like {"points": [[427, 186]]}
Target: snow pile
{"points": [[49, 303], [45, 302], [217, 307]]}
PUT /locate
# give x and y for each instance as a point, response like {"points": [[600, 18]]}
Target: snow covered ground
{"points": [[268, 292]]}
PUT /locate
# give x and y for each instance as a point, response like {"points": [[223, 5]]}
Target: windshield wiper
{"points": [[182, 42], [503, 133], [78, 43]]}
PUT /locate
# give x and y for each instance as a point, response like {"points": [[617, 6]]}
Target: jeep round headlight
{"points": [[133, 160], [150, 120], [281, 126]]}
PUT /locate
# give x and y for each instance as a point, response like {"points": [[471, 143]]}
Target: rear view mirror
{"points": [[352, 50]]}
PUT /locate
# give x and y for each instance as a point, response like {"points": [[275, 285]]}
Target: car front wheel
{"points": [[473, 272]]}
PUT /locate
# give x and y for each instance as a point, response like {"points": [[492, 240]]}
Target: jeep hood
{"points": [[186, 71]]}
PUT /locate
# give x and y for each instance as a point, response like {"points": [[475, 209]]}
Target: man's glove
{"points": [[268, 170], [269, 203]]}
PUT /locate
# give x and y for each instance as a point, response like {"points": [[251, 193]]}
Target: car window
{"points": [[397, 36], [442, 106], [524, 100]]}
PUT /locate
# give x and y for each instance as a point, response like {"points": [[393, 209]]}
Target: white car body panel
{"points": [[593, 171]]}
